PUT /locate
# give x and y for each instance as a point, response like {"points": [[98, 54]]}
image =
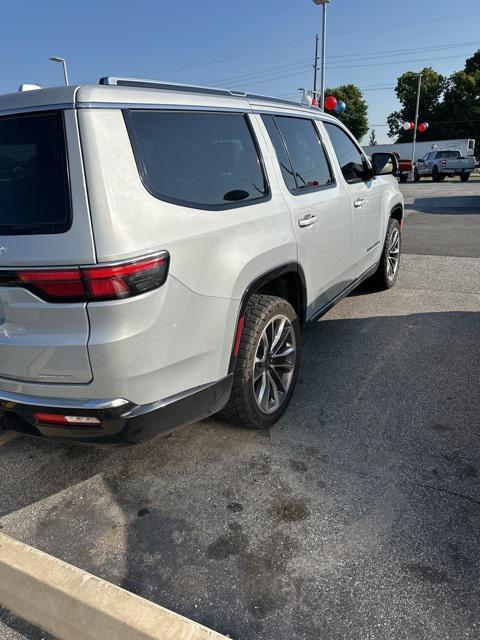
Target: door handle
{"points": [[359, 202], [308, 220]]}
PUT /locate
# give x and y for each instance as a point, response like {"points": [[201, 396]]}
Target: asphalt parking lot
{"points": [[357, 517]]}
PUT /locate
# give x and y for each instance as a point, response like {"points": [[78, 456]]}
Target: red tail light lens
{"points": [[53, 285], [93, 284], [126, 280]]}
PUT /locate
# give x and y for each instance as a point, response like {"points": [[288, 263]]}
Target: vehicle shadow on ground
{"points": [[360, 510], [447, 205]]}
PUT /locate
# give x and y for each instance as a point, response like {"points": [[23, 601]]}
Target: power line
{"points": [[408, 24], [310, 38], [430, 122], [365, 56], [350, 66]]}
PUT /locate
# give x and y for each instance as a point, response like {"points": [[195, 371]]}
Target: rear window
{"points": [[201, 160], [449, 154], [34, 192]]}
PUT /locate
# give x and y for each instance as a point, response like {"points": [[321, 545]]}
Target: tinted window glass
{"points": [[34, 195], [306, 152], [281, 151], [205, 160], [449, 154], [350, 158]]}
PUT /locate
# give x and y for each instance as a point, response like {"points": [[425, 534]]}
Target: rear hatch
{"points": [[45, 233]]}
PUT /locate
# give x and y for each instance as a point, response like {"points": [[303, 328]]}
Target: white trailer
{"points": [[405, 149]]}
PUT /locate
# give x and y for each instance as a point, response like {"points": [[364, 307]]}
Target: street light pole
{"points": [[64, 64], [417, 110], [324, 51]]}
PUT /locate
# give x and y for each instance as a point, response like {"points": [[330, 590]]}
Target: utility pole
{"points": [[417, 109], [315, 70], [324, 50], [324, 56]]}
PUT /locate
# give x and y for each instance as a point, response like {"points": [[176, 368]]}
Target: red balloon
{"points": [[330, 103], [422, 127]]}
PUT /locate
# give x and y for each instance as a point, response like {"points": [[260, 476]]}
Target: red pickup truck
{"points": [[404, 167]]}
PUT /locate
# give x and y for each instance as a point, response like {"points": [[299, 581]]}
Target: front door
{"points": [[365, 195]]}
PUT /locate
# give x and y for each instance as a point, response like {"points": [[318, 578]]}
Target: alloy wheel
{"points": [[274, 364], [393, 257]]}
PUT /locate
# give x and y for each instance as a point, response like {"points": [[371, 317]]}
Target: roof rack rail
{"points": [[169, 86], [190, 88]]}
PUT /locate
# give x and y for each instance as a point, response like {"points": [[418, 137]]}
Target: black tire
{"points": [[416, 176], [403, 177], [435, 175], [464, 177], [383, 279], [242, 407]]}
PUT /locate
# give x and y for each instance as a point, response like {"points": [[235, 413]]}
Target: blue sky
{"points": [[264, 46]]}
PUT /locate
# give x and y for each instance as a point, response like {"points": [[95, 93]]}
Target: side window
{"points": [[201, 160], [350, 158], [281, 151], [306, 153]]}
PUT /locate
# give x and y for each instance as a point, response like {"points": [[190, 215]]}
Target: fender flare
{"points": [[258, 283]]}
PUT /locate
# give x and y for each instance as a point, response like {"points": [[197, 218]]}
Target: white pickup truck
{"points": [[438, 164]]}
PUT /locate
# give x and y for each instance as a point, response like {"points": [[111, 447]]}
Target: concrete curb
{"points": [[72, 604]]}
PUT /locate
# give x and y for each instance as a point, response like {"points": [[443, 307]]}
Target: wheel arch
{"points": [[397, 212], [286, 281]]}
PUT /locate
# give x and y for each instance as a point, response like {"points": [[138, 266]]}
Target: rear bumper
{"points": [[122, 422], [458, 171]]}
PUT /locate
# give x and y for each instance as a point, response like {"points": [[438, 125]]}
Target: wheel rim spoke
{"points": [[278, 334], [275, 391], [276, 380]]}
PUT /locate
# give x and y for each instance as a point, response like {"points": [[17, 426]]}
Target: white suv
{"points": [[161, 246]]}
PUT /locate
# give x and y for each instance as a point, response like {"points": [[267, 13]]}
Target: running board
{"points": [[353, 285]]}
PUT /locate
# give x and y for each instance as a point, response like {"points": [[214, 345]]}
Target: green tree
{"points": [[373, 139], [356, 114], [473, 63], [433, 87], [459, 114]]}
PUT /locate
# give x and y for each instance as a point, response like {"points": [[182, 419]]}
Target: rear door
{"points": [[44, 234], [319, 206], [365, 195]]}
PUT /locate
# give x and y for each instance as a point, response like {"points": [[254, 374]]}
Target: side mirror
{"points": [[384, 164], [420, 160]]}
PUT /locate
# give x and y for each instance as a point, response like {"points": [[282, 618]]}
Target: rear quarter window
{"points": [[34, 190], [197, 159]]}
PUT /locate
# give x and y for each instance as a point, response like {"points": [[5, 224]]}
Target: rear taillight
{"points": [[92, 284], [56, 286]]}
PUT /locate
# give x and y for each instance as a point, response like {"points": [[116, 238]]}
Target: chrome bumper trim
{"points": [[60, 403]]}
